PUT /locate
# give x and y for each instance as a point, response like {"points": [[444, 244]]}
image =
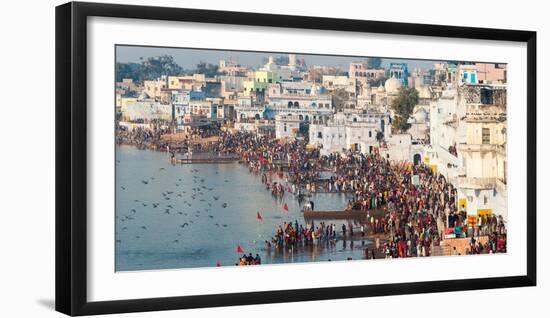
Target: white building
{"points": [[147, 110], [484, 155], [349, 131], [468, 145], [286, 126], [400, 147]]}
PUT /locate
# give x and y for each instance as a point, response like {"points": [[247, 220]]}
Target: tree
{"points": [[128, 70], [317, 74], [374, 63], [375, 82], [403, 106], [339, 98], [209, 70], [155, 67]]}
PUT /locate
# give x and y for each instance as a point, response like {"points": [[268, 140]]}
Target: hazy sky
{"points": [[189, 58]]}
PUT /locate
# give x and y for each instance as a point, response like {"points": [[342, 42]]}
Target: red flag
{"points": [[259, 216], [285, 207], [239, 249]]}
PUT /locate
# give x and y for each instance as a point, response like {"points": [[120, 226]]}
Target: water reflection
{"points": [[181, 216]]}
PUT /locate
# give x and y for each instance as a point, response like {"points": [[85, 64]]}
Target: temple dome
{"points": [[392, 85]]}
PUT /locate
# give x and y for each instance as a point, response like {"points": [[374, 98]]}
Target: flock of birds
{"points": [[175, 202]]}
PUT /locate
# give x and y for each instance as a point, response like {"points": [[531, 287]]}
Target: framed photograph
{"points": [[208, 158]]}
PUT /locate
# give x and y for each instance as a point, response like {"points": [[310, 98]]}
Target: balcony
{"points": [[481, 148], [477, 183]]}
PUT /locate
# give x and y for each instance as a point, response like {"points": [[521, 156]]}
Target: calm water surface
{"points": [[186, 216]]}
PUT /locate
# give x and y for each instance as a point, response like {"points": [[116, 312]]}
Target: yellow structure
{"points": [[261, 81], [124, 101], [190, 82]]}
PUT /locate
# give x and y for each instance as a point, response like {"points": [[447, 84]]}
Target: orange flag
{"points": [[239, 249], [285, 207]]}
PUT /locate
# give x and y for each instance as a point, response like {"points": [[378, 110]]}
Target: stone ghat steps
{"points": [[204, 160], [442, 250]]}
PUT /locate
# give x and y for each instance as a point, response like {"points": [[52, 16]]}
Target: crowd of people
{"points": [[142, 137], [418, 204], [246, 260], [416, 210]]}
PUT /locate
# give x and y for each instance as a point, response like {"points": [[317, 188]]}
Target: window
{"points": [[370, 134], [485, 136]]}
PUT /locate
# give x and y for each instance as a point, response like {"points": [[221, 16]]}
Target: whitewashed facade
{"points": [[349, 131]]}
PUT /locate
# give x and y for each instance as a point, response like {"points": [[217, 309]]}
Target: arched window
{"points": [[301, 117], [296, 105], [289, 104]]}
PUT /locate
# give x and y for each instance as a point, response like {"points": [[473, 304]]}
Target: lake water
{"points": [[181, 216]]}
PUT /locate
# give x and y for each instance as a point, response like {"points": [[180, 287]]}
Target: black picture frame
{"points": [[71, 157]]}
